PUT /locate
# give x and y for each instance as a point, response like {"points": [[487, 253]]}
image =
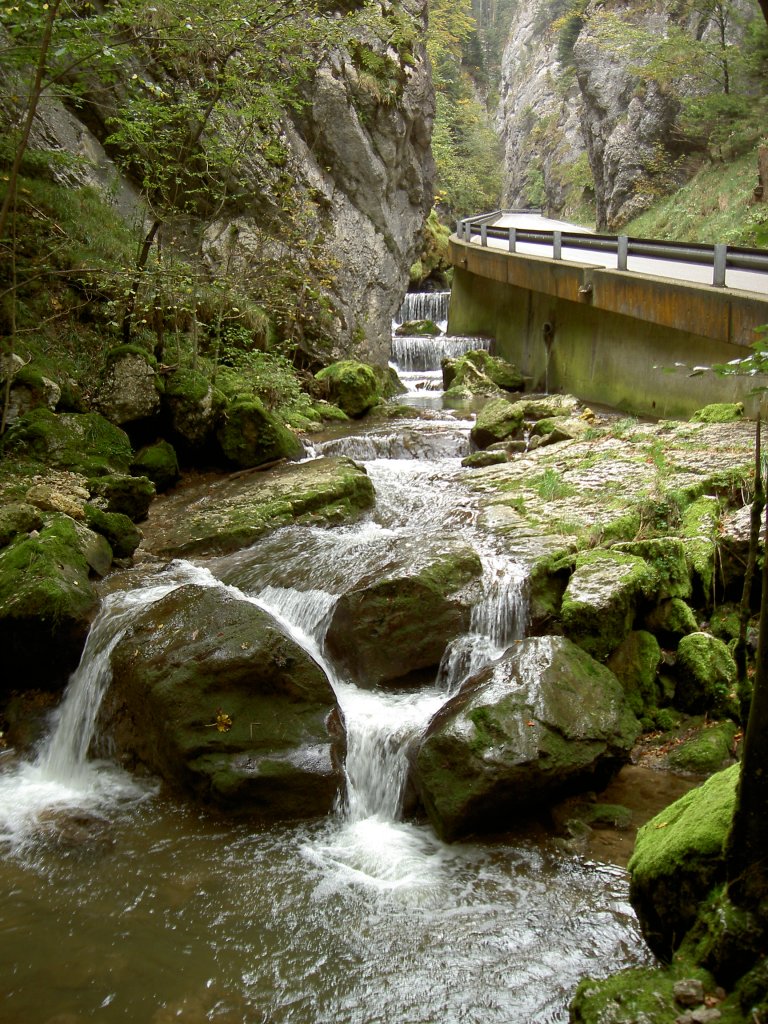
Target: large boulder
{"points": [[351, 385], [28, 388], [481, 373], [86, 443], [601, 599], [544, 720], [678, 859], [46, 605], [251, 435], [635, 663], [706, 676], [193, 407], [159, 463], [235, 511], [130, 388], [211, 694], [388, 630], [497, 421]]}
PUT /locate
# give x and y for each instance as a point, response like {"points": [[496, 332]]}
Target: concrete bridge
{"points": [[580, 312]]}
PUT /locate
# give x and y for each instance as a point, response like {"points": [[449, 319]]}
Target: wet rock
{"points": [[17, 518], [689, 992], [351, 385], [194, 408], [485, 458], [544, 720], [29, 388], [46, 605], [678, 858], [706, 676], [236, 511], [79, 832], [666, 555], [710, 751], [130, 388], [122, 493], [389, 630], [120, 532], [212, 695], [418, 329], [700, 529], [601, 599], [670, 621]]}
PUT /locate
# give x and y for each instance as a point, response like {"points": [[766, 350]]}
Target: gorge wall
{"points": [[360, 158]]}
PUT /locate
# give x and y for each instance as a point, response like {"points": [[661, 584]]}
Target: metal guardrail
{"points": [[720, 257]]}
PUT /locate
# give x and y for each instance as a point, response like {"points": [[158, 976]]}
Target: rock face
{"points": [[237, 511], [543, 720], [209, 693], [574, 121], [129, 390], [387, 630]]}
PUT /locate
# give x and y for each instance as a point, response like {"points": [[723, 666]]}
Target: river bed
{"points": [[123, 904]]}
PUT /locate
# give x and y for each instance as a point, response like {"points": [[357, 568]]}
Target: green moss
{"points": [[479, 459], [83, 442], [496, 421], [129, 495], [707, 752], [635, 664], [666, 555], [706, 676], [120, 532], [330, 412], [719, 412], [157, 462], [351, 385], [120, 351], [251, 435], [16, 518]]}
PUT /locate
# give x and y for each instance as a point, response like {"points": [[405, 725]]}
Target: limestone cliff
{"points": [[361, 159]]}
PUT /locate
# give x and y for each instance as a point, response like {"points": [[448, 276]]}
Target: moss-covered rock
{"points": [[666, 556], [16, 518], [670, 621], [238, 510], [706, 676], [377, 633], [157, 462], [351, 385], [699, 528], [418, 329], [635, 663], [235, 715], [30, 388], [129, 495], [708, 752], [719, 412], [484, 458], [46, 605], [120, 532], [86, 443], [481, 373], [601, 599], [251, 435], [497, 421], [542, 721], [678, 859], [194, 408], [390, 384]]}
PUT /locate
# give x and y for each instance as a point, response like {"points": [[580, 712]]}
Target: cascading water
{"points": [[417, 358], [361, 918]]}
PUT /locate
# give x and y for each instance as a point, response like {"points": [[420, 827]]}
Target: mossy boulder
{"points": [[666, 556], [389, 630], [699, 529], [602, 597], [251, 435], [238, 510], [719, 412], [85, 443], [543, 721], [635, 663], [390, 384], [705, 674], [351, 385], [678, 859], [671, 620], [481, 373], [193, 407], [497, 421], [708, 752], [130, 388], [159, 463], [129, 495], [210, 693], [418, 329], [46, 606], [485, 458], [17, 518], [120, 532], [30, 388]]}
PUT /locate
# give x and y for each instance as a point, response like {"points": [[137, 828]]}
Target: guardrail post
{"points": [[460, 228], [512, 239], [557, 245], [718, 270], [622, 250], [483, 234]]}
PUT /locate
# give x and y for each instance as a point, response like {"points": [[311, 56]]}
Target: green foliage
{"points": [[268, 376]]}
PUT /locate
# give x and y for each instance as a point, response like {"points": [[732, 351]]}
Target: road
{"points": [[742, 280]]}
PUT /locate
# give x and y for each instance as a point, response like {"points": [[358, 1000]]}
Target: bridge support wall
{"points": [[610, 338]]}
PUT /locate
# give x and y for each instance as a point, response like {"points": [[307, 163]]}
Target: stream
{"points": [[122, 904]]}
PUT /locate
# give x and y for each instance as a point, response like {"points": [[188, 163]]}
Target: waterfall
{"points": [[425, 306], [427, 352]]}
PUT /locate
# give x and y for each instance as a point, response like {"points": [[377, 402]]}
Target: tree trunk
{"points": [[130, 302], [747, 848]]}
